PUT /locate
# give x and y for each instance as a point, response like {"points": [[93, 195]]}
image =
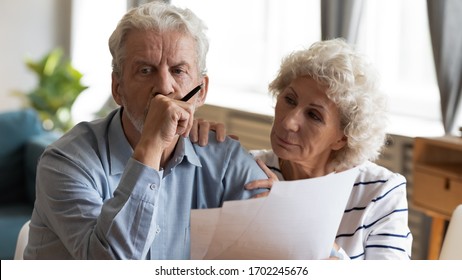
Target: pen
{"points": [[191, 93]]}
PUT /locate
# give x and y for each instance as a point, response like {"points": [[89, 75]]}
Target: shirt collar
{"points": [[120, 150], [185, 150]]}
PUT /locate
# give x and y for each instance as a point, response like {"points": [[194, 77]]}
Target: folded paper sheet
{"points": [[298, 220]]}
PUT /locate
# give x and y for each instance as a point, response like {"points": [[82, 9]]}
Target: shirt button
{"points": [[157, 230], [153, 186]]}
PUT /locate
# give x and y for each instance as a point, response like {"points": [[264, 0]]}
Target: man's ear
{"points": [[115, 86], [203, 92]]}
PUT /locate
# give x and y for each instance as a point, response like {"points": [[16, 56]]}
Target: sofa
{"points": [[22, 141]]}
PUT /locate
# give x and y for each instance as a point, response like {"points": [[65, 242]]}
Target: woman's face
{"points": [[306, 126]]}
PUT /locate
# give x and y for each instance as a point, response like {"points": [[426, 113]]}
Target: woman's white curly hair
{"points": [[352, 84]]}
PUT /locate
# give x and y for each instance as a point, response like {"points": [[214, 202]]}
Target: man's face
{"points": [[154, 63]]}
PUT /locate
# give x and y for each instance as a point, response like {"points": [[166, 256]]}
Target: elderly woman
{"points": [[330, 117]]}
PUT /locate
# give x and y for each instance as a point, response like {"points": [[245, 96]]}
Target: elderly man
{"points": [[122, 187]]}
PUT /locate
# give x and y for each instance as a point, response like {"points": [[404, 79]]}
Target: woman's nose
{"points": [[291, 120]]}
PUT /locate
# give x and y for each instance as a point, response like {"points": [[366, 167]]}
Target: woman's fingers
{"points": [[263, 184], [201, 128], [194, 133], [259, 184], [267, 171]]}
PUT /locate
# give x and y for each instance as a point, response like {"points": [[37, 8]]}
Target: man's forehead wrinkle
{"points": [[152, 48]]}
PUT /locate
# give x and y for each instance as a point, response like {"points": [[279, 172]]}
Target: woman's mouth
{"points": [[284, 141]]}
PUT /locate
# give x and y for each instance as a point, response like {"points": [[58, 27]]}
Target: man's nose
{"points": [[163, 84]]}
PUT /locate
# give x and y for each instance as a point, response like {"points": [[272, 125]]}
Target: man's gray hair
{"points": [[161, 17]]}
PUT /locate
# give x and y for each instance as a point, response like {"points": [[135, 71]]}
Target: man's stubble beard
{"points": [[137, 121]]}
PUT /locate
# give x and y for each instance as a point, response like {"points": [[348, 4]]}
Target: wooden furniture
{"points": [[437, 183]]}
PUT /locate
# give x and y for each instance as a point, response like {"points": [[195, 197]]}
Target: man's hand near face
{"points": [[165, 120]]}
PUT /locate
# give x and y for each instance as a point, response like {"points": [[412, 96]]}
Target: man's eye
{"points": [[146, 70], [178, 71], [290, 100]]}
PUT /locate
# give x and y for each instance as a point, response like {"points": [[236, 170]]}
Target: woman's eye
{"points": [[314, 116]]}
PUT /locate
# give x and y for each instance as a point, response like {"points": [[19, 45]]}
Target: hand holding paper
{"points": [[298, 220]]}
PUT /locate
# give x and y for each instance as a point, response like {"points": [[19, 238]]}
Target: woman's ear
{"points": [[115, 87], [340, 143], [203, 92]]}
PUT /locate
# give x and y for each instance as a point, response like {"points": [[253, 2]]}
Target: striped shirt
{"points": [[374, 225]]}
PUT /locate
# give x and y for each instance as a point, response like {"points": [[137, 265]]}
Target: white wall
{"points": [[28, 28]]}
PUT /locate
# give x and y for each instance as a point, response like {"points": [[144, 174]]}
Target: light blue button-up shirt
{"points": [[96, 202]]}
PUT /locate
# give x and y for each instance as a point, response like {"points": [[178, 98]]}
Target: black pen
{"points": [[191, 93]]}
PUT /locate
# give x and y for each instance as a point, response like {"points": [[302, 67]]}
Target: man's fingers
{"points": [[184, 117], [185, 124]]}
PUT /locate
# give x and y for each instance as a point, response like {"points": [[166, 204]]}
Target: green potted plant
{"points": [[59, 85]]}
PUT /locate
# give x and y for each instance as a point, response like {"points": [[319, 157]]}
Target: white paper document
{"points": [[297, 220]]}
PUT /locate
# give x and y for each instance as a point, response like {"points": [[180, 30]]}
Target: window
{"points": [[249, 38], [247, 41], [92, 24], [395, 35]]}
